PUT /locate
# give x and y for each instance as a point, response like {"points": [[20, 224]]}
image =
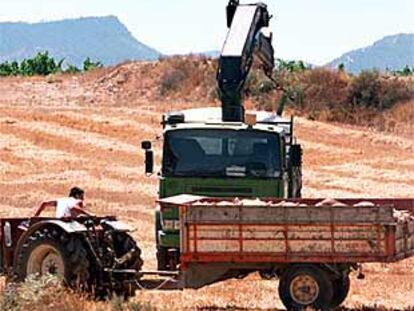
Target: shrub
{"points": [[9, 69], [39, 294], [291, 66], [364, 90], [324, 93], [171, 81], [393, 91], [188, 76], [72, 69], [370, 90], [90, 65], [42, 64], [405, 72], [258, 84]]}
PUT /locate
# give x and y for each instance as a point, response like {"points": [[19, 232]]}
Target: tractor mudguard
{"points": [[116, 225]]}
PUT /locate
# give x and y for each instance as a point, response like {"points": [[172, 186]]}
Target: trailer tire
{"points": [[49, 250], [304, 286], [341, 289]]}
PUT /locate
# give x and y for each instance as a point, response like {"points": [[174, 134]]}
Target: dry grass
{"points": [[86, 130], [400, 119]]}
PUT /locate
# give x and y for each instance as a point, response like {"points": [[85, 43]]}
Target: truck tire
{"points": [[51, 251], [341, 288], [162, 258], [304, 286], [162, 252]]}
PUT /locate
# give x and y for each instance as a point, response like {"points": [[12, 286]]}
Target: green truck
{"points": [[226, 152], [203, 155]]}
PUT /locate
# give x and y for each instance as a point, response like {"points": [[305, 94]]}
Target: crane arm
{"points": [[244, 40]]}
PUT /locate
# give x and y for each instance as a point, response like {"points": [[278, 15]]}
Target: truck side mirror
{"points": [[295, 155], [149, 157], [149, 162]]}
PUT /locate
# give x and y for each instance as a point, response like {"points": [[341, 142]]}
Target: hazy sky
{"points": [[313, 30]]}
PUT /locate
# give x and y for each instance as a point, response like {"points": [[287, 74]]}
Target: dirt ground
{"points": [[76, 130]]}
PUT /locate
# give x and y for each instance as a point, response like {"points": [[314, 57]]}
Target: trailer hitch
{"points": [[125, 258]]}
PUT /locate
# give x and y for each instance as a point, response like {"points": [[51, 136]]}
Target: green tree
{"points": [[43, 64], [88, 64]]}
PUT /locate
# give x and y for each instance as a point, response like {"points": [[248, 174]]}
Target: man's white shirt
{"points": [[65, 205]]}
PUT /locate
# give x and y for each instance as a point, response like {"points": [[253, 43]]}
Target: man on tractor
{"points": [[71, 206]]}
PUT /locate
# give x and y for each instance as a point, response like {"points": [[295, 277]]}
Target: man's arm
{"points": [[43, 206], [79, 210]]}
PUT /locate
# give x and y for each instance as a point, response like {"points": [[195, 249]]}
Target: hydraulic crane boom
{"points": [[244, 40]]}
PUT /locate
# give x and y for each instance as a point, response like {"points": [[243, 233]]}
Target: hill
{"points": [[102, 38], [392, 52]]}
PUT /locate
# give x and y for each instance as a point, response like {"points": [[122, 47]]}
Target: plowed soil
{"points": [[83, 130]]}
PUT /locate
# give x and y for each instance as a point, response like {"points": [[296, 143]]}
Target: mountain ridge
{"points": [[392, 52], [105, 39]]}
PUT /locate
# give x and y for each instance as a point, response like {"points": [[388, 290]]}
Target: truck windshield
{"points": [[221, 153]]}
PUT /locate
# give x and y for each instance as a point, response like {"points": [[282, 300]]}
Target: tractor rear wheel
{"points": [[51, 251], [125, 245]]}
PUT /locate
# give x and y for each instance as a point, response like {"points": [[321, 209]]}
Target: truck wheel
{"points": [[303, 286], [162, 252], [54, 252], [162, 258], [341, 288]]}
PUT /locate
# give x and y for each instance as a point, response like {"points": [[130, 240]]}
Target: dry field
{"points": [[86, 130]]}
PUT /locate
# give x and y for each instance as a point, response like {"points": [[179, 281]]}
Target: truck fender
{"points": [[68, 227]]}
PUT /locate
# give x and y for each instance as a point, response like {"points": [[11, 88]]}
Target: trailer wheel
{"points": [[341, 288], [303, 286], [54, 252]]}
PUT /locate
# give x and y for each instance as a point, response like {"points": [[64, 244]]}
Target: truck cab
{"points": [[202, 155]]}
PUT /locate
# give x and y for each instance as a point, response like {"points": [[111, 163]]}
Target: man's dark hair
{"points": [[76, 193]]}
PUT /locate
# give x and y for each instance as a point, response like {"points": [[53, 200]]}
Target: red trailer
{"points": [[311, 245]]}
